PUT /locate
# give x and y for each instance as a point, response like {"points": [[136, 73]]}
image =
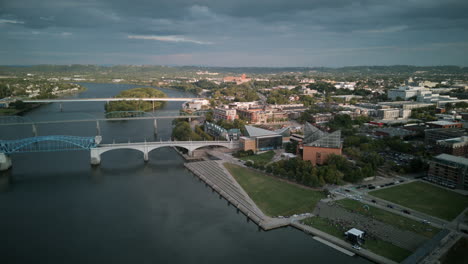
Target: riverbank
{"points": [[13, 111], [29, 107], [218, 175]]}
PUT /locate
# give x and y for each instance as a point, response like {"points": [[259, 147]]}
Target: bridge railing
{"points": [[47, 144]]}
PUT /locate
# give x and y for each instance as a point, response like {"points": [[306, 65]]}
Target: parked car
{"points": [[389, 206], [406, 211], [374, 201]]}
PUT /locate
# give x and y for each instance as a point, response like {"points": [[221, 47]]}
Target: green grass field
{"points": [[377, 246], [457, 253], [273, 196], [264, 157], [425, 198], [381, 215], [8, 111]]}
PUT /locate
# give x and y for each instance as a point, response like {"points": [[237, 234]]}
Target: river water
{"points": [[59, 209]]}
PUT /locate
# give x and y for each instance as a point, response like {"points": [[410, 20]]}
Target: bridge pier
{"points": [[5, 162], [95, 157], [190, 153], [145, 157], [155, 125]]}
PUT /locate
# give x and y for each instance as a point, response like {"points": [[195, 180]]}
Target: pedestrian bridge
{"points": [[146, 147], [68, 143]]}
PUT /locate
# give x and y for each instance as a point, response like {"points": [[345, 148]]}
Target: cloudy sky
{"points": [[235, 32]]}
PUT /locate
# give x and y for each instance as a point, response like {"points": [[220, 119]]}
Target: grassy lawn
{"points": [[457, 253], [264, 157], [377, 246], [425, 198], [386, 249], [8, 111], [273, 196], [398, 221]]}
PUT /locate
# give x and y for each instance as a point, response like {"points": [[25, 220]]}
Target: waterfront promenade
{"points": [[216, 176]]}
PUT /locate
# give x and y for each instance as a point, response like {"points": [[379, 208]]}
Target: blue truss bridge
{"points": [[47, 144]]}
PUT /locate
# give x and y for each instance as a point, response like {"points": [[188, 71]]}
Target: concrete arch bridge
{"points": [[147, 147], [69, 143]]}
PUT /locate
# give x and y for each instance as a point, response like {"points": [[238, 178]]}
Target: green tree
{"points": [[136, 105]]}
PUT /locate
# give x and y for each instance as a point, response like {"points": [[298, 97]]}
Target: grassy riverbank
{"points": [[273, 196], [377, 246]]}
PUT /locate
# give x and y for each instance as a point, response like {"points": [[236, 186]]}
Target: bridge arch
{"points": [[36, 144]]}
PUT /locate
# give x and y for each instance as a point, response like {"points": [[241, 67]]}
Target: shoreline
{"points": [[267, 223], [20, 112]]}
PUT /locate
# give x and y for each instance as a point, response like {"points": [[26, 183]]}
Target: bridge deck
{"points": [[169, 99], [98, 119]]}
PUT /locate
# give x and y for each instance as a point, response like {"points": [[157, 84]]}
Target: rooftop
{"points": [[314, 137], [259, 132], [355, 232], [442, 123], [453, 159]]}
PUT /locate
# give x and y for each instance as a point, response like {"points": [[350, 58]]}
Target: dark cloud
{"points": [[318, 31]]}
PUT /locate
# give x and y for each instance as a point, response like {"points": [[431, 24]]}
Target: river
{"points": [[59, 209]]}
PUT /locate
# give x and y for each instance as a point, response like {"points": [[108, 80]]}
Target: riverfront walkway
{"points": [[216, 176]]}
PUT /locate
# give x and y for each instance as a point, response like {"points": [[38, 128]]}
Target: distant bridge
{"points": [[111, 116], [111, 99], [68, 143]]}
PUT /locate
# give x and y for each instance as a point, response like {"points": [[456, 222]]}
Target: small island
{"points": [[136, 105]]}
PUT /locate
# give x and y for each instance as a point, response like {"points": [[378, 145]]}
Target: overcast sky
{"points": [[234, 33]]}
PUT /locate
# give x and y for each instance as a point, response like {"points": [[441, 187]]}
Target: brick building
{"points": [[225, 114], [317, 145], [444, 124], [453, 146]]}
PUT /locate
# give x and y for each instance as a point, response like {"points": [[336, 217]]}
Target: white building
{"points": [[388, 114], [405, 92]]}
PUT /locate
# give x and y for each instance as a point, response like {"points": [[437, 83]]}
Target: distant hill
{"points": [[148, 70]]}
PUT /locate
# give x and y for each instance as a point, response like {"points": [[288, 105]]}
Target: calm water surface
{"points": [[59, 209]]}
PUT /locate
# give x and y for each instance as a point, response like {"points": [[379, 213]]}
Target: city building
{"points": [[253, 116], [394, 132], [444, 124], [225, 114], [431, 136], [318, 145], [237, 80], [449, 171], [347, 98], [427, 96], [220, 132], [387, 114], [404, 92], [258, 139], [322, 118], [406, 105], [454, 146]]}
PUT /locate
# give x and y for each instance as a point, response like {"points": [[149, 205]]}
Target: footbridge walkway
{"points": [[147, 147]]}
